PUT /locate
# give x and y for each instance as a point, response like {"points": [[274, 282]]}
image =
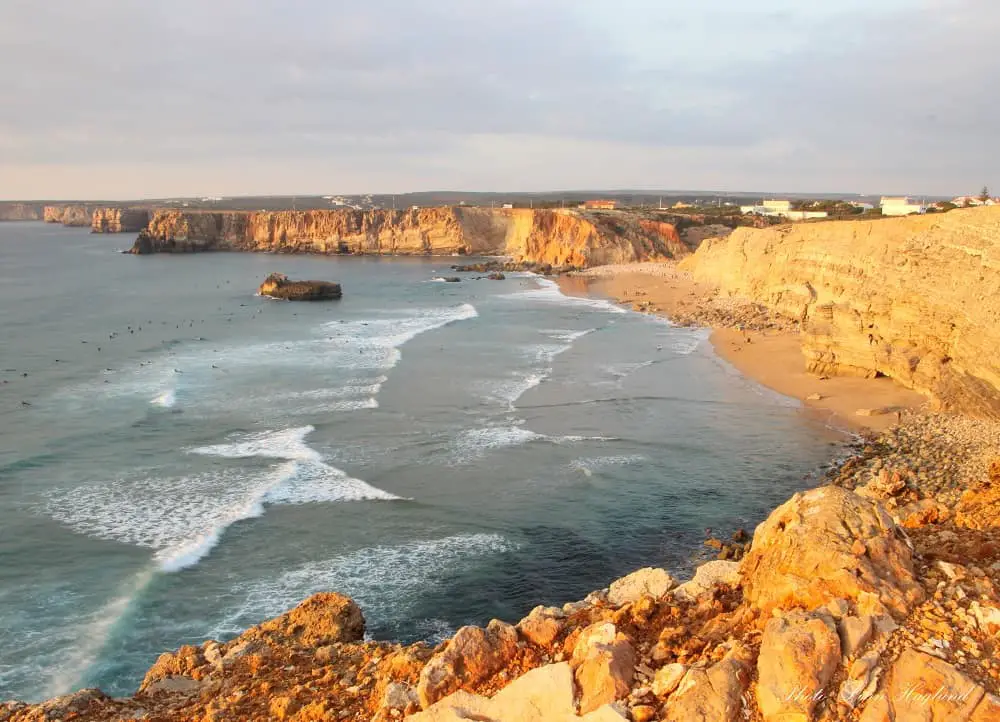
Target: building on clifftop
{"points": [[600, 205], [900, 206]]}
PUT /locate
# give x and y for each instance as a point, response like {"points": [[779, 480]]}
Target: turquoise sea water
{"points": [[185, 459]]}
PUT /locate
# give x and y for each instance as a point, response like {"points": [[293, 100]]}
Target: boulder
{"points": [[708, 576], [883, 486], [278, 285], [799, 654], [923, 688], [544, 694], [825, 544], [322, 619], [651, 580], [399, 695], [855, 633], [604, 665], [542, 625], [921, 513], [471, 656], [667, 678], [714, 694]]}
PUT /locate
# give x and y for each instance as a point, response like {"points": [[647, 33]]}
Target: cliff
{"points": [[20, 212], [915, 298], [851, 602], [544, 236], [119, 220], [69, 215]]}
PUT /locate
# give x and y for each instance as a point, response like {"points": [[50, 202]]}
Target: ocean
{"points": [[181, 459]]}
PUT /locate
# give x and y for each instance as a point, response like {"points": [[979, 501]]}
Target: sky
{"points": [[111, 99]]}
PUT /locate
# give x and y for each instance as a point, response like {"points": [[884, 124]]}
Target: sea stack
{"points": [[278, 285]]}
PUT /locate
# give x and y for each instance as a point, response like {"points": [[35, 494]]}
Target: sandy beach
{"points": [[760, 347]]}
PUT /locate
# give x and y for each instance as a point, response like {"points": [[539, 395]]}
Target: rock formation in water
{"points": [[68, 215], [556, 237], [20, 212], [916, 299], [278, 285], [119, 220]]}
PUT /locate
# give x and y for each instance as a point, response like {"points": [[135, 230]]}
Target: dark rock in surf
{"points": [[278, 285]]}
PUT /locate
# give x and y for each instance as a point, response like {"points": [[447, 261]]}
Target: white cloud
{"points": [[111, 99]]}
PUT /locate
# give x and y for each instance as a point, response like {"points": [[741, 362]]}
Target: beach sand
{"points": [[772, 356]]}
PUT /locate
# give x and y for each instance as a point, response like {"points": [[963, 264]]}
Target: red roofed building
{"points": [[600, 205]]}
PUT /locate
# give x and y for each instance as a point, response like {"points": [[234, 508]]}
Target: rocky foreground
{"points": [[875, 597]]}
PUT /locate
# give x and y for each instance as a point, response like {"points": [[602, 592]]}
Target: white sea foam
{"points": [[384, 335], [547, 291], [567, 336], [589, 464], [473, 444], [287, 444], [384, 580], [626, 369], [323, 483], [183, 518], [369, 347], [509, 391], [687, 341]]}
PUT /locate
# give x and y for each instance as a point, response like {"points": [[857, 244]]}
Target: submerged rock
{"points": [[278, 285]]}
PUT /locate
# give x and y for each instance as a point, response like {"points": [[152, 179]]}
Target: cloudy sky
{"points": [[121, 99]]}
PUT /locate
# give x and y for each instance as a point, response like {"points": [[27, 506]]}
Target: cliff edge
{"points": [[68, 215], [916, 299], [557, 237], [118, 220]]}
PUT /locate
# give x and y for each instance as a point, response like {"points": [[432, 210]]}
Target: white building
{"points": [[863, 206], [778, 207], [900, 206], [964, 201], [783, 209]]}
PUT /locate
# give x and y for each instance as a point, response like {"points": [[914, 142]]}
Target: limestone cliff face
{"points": [[70, 215], [916, 299], [568, 238], [118, 220], [19, 212], [544, 236]]}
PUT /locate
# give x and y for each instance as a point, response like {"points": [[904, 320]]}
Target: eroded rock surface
{"points": [[827, 544], [559, 238], [915, 298]]}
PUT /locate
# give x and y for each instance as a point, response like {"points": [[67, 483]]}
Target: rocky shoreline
{"points": [[873, 597]]}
